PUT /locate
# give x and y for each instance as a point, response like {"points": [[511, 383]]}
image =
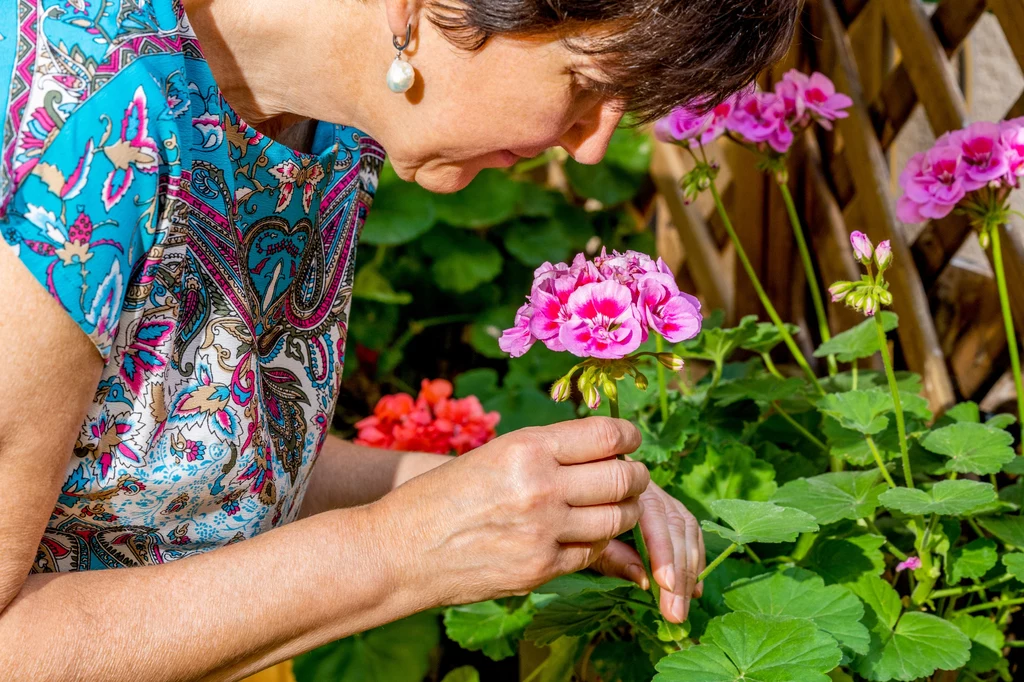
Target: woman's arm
{"points": [[346, 475]]}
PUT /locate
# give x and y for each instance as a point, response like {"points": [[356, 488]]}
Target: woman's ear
{"points": [[401, 13]]}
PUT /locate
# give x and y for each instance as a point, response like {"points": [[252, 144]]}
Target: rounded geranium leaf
{"points": [[1015, 565], [490, 199], [797, 593], [971, 448], [763, 389], [1008, 528], [859, 342], [862, 411], [466, 673], [987, 643], [972, 560], [491, 627], [948, 498], [758, 522], [833, 496], [752, 648]]}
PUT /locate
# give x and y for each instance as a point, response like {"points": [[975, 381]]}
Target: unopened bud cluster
{"points": [[872, 291], [600, 376]]}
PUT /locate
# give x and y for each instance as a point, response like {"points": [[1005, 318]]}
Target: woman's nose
{"points": [[587, 140]]}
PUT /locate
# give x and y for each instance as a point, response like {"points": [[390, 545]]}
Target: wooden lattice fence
{"points": [[890, 56]]}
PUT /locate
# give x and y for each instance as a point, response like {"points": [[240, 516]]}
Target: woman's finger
{"points": [[619, 560], [702, 562], [601, 522], [654, 526], [692, 555], [604, 482], [677, 530]]}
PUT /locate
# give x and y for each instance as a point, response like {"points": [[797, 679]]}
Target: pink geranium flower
{"points": [[862, 247], [518, 339], [668, 311], [983, 156], [602, 323], [760, 117], [812, 96], [686, 125], [1012, 140], [912, 563], [933, 184]]}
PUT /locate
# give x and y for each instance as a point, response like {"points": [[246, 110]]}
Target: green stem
{"points": [[853, 375], [719, 559], [980, 587], [803, 546], [796, 425], [770, 366], [878, 460], [897, 404], [812, 280], [994, 604], [772, 313], [750, 553], [662, 390], [1011, 334]]}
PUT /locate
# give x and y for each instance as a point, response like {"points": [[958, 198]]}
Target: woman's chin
{"points": [[451, 177]]}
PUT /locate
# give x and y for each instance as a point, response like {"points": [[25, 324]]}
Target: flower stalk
{"points": [[890, 375], [1011, 334], [718, 560]]}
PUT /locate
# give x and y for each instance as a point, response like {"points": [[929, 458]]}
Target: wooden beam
{"points": [[871, 177]]}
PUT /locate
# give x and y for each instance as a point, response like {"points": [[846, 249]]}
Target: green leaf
{"points": [[1001, 421], [559, 665], [621, 662], [834, 496], [797, 593], [402, 212], [971, 448], [1014, 563], [859, 342], [767, 337], [758, 522], [619, 176], [987, 642], [764, 389], [853, 446], [716, 344], [533, 242], [466, 673], [630, 149], [462, 261], [742, 646], [492, 198], [373, 286], [577, 615], [948, 498], [584, 581], [847, 560], [908, 646], [1009, 529], [972, 560], [397, 652], [490, 627], [671, 437], [729, 471], [860, 411], [728, 572], [967, 412]]}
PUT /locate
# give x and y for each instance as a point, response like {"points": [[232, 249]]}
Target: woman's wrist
{"points": [[414, 464]]}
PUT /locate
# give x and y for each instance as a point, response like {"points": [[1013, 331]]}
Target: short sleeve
{"points": [[85, 211]]}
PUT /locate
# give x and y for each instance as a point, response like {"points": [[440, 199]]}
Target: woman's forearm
{"points": [[346, 475], [215, 616]]}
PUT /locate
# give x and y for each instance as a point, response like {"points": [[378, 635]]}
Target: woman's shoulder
{"points": [[66, 63]]}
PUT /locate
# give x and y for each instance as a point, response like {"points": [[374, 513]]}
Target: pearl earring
{"points": [[401, 75]]}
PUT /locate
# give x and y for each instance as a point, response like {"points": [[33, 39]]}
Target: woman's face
{"points": [[512, 99]]}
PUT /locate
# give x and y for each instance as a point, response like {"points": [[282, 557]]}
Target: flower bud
{"points": [[862, 247], [591, 396], [611, 391], [670, 361], [884, 297], [883, 255], [561, 389], [840, 289], [641, 381], [870, 304], [985, 239]]}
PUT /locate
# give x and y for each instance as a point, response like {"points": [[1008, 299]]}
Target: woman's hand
{"points": [[676, 547], [511, 515]]}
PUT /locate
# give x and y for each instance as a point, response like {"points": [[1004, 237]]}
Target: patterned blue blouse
{"points": [[211, 266]]}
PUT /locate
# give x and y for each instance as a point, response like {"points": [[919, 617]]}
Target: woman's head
{"points": [[502, 79]]}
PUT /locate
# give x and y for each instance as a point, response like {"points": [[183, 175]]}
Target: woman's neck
{"points": [[278, 63]]}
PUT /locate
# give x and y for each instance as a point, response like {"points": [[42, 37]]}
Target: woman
{"points": [[145, 201]]}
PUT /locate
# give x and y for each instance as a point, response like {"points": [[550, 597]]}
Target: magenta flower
{"points": [[760, 117], [812, 96], [913, 563], [933, 184], [517, 340], [984, 158], [602, 323], [862, 247], [686, 125], [671, 313], [883, 255]]}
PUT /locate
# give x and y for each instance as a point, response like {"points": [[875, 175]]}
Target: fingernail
{"points": [[667, 578], [638, 575]]}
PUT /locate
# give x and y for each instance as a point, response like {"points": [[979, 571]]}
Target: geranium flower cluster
{"points": [[433, 422], [974, 168], [872, 291], [602, 308], [761, 119]]}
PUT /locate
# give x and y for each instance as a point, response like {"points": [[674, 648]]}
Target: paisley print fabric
{"points": [[211, 267]]}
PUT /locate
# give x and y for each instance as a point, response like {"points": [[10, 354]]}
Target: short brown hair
{"points": [[660, 53]]}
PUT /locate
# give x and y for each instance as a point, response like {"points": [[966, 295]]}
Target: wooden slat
{"points": [[849, 10], [936, 245], [702, 258], [870, 174], [1013, 261], [748, 211], [1011, 17]]}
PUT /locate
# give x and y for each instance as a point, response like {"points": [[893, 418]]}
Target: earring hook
{"points": [[408, 36]]}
